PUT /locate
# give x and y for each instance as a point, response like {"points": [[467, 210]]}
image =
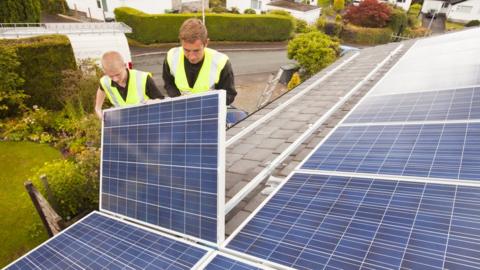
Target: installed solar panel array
{"points": [[394, 186]]}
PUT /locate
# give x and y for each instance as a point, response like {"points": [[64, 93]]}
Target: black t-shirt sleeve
{"points": [[152, 90], [227, 82], [169, 81]]}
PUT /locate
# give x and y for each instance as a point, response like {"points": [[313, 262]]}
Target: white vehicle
{"points": [[88, 40]]}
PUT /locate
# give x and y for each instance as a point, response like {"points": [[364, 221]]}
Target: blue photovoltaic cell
{"points": [[461, 104], [160, 164], [221, 262], [437, 150], [99, 242], [318, 221]]}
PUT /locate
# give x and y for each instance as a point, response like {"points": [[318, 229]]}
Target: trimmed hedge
{"points": [[162, 28], [366, 36], [472, 23], [42, 60], [17, 11]]}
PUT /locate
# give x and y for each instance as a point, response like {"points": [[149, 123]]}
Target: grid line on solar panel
{"points": [[457, 104], [365, 223], [160, 164], [98, 241], [443, 151]]}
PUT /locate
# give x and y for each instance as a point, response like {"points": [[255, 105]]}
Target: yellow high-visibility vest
{"points": [[209, 74], [137, 84]]}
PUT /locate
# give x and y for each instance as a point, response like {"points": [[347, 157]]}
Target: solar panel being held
{"points": [[162, 165]]}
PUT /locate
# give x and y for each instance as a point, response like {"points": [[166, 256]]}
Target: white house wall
{"points": [[458, 13], [88, 6], [310, 16], [405, 5], [243, 4], [431, 5]]}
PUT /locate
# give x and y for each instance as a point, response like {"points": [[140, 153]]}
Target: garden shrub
{"points": [[234, 10], [369, 13], [338, 5], [243, 27], [72, 191], [301, 26], [416, 32], [11, 96], [313, 51], [19, 11], [333, 29], [35, 125], [365, 36], [415, 10], [42, 60], [398, 20], [249, 11], [324, 3], [54, 6], [219, 9], [280, 12], [472, 23]]}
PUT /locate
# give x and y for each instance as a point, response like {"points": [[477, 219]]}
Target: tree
{"points": [[17, 11], [369, 13], [338, 5], [11, 98], [313, 51]]}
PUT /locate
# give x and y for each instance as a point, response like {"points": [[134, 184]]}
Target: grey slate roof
{"points": [[251, 153]]}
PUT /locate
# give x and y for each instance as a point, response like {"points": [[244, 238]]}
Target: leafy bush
{"points": [[398, 20], [35, 125], [369, 13], [301, 26], [244, 27], [328, 11], [15, 11], [234, 10], [219, 9], [42, 60], [249, 11], [54, 6], [366, 36], [416, 32], [472, 23], [415, 10], [294, 81], [279, 12], [330, 28], [324, 3], [72, 191], [338, 5], [11, 97], [79, 86], [313, 51]]}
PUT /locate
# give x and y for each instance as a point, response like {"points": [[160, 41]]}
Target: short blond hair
{"points": [[193, 29]]}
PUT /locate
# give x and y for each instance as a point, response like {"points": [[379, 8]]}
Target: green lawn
{"points": [[20, 227]]}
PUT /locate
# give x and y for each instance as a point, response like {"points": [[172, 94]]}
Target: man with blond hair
{"points": [[122, 86], [193, 68]]}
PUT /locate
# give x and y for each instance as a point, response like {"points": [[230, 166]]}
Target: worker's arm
{"points": [[169, 81], [99, 102], [227, 82], [152, 90]]}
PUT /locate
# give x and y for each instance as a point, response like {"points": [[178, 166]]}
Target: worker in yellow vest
{"points": [[122, 86], [193, 68]]}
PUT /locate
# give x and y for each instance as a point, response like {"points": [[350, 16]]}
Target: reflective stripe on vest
{"points": [[136, 94], [209, 73]]}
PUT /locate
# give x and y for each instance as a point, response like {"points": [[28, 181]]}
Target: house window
{"points": [[464, 9], [256, 4], [401, 1], [99, 4]]}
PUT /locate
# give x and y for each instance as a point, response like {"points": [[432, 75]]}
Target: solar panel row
{"points": [[435, 150], [457, 104], [326, 222]]}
